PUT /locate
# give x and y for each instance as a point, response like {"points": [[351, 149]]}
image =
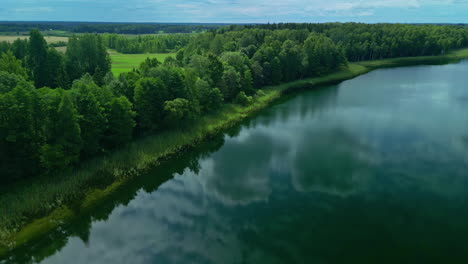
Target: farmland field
{"points": [[49, 39], [126, 62]]}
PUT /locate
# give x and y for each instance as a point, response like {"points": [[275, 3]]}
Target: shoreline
{"points": [[95, 180]]}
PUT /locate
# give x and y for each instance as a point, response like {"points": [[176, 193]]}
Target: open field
{"points": [[49, 39], [126, 62]]}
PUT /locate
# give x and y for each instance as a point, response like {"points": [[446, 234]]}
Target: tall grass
{"points": [[76, 190]]}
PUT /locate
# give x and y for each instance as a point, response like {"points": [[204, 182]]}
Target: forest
{"points": [[117, 28], [146, 44], [58, 109]]}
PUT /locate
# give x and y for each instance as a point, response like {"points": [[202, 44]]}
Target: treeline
{"points": [[376, 41], [163, 43], [117, 28], [47, 67]]}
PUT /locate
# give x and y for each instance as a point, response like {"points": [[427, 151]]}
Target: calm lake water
{"points": [[373, 170]]}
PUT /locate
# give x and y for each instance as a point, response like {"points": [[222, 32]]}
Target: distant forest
{"points": [[59, 109], [118, 28]]}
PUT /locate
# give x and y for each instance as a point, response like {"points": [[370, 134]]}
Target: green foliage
{"points": [[172, 62], [125, 85], [86, 54], [148, 64], [215, 70], [173, 80], [236, 60], [243, 99], [260, 93], [121, 122], [10, 64], [291, 60], [247, 82], [58, 76], [231, 83], [92, 119], [8, 81], [210, 99], [150, 95], [177, 112], [37, 58], [66, 141], [146, 44], [20, 48], [19, 132], [322, 55], [49, 68]]}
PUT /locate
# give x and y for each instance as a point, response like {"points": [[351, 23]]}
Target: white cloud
{"points": [[240, 10], [277, 8]]}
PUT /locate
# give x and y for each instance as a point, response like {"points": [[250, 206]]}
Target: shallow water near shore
{"points": [[374, 169]]}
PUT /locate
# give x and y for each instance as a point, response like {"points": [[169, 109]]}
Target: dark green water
{"points": [[374, 170]]}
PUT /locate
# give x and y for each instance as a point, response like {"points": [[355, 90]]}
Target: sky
{"points": [[237, 11]]}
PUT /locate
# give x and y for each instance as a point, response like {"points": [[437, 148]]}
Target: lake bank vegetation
{"points": [[64, 140]]}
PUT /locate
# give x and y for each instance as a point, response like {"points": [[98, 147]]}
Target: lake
{"points": [[373, 170]]}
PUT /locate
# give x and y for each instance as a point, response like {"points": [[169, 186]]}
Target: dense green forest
{"points": [[117, 28], [147, 44], [58, 109]]}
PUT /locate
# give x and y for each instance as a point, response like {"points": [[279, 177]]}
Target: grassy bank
{"points": [[31, 209], [126, 62]]}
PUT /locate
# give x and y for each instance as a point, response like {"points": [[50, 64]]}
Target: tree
{"points": [[276, 71], [291, 60], [87, 54], [247, 82], [232, 83], [37, 58], [173, 80], [148, 64], [215, 69], [210, 98], [19, 136], [92, 120], [57, 75], [216, 46], [150, 95], [10, 64], [65, 146], [8, 81], [172, 62], [121, 122], [125, 85], [257, 74], [322, 55], [98, 76], [20, 48], [177, 112], [236, 60]]}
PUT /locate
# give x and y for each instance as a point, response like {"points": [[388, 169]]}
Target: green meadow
{"points": [[126, 62]]}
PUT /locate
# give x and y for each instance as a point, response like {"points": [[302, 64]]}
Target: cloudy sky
{"points": [[238, 11]]}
